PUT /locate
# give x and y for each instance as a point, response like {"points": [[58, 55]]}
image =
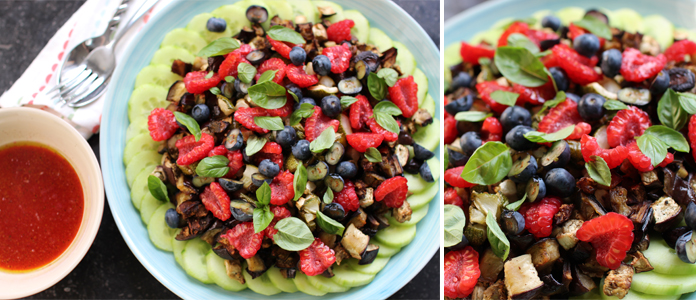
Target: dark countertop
{"points": [[110, 270]]}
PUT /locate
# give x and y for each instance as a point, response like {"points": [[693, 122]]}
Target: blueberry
{"points": [[515, 138], [573, 97], [257, 14], [681, 79], [294, 89], [234, 140], [216, 25], [230, 185], [560, 78], [268, 168], [301, 150], [286, 137], [560, 182], [690, 215], [425, 172], [298, 56], [536, 189], [172, 218], [469, 142], [591, 107], [463, 79], [586, 44], [305, 100], [523, 169], [200, 113], [334, 210], [347, 169], [456, 158], [552, 22], [515, 115], [321, 65], [331, 106], [512, 222], [462, 104], [611, 62], [660, 83], [413, 166], [421, 153]]}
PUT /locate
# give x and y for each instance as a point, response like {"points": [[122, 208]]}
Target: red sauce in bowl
{"points": [[41, 206]]}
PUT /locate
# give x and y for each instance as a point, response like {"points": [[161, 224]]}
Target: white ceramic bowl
{"points": [[34, 125]]}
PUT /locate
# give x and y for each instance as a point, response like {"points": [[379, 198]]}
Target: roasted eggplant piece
{"points": [[544, 254], [521, 278], [369, 255], [581, 252], [551, 286], [476, 234], [234, 270], [566, 237], [355, 242], [618, 197], [581, 283], [177, 90], [666, 213], [618, 282], [495, 291], [483, 204], [671, 236], [255, 266], [490, 265], [522, 241], [640, 263], [690, 215]]}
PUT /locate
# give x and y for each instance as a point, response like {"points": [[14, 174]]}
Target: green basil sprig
{"points": [[267, 76], [218, 47], [262, 213], [215, 166], [269, 123], [347, 101], [387, 122], [389, 75], [653, 148], [522, 41], [455, 220], [541, 137], [328, 196], [688, 102], [595, 26], [328, 224], [299, 182], [471, 116], [614, 105], [293, 234], [304, 111], [373, 155], [505, 97], [268, 94], [323, 141], [516, 205], [499, 242], [293, 96], [255, 144], [229, 79], [190, 124], [376, 86], [387, 107], [488, 165], [157, 188], [560, 97], [599, 171], [670, 136], [282, 33], [246, 72], [519, 65], [670, 111]]}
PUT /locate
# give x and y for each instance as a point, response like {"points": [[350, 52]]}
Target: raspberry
{"points": [[360, 112], [347, 197], [242, 51], [534, 95], [461, 272], [228, 67], [281, 188], [643, 163], [562, 116], [297, 75], [283, 111], [236, 159], [317, 123], [360, 141], [283, 48], [216, 201], [538, 216], [636, 66], [451, 197], [404, 94], [451, 132], [272, 64], [580, 69], [516, 27], [271, 148], [393, 191], [491, 130], [454, 178], [472, 54], [549, 61], [626, 125], [243, 238], [219, 150], [486, 88], [272, 151], [611, 235], [191, 151], [613, 157], [196, 83], [692, 135], [339, 57], [245, 116], [679, 49], [376, 128], [162, 124], [316, 258], [340, 31], [279, 213], [537, 36]]}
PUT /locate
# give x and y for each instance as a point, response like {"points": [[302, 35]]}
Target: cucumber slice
{"points": [[423, 198], [416, 184], [178, 248], [434, 165], [234, 15], [284, 284], [160, 75], [632, 295], [136, 127], [662, 284], [395, 236], [627, 19], [140, 162], [261, 284], [199, 24], [345, 276], [490, 36], [429, 105], [660, 29], [416, 216], [246, 3], [384, 250], [326, 284], [690, 34], [570, 14], [184, 38], [148, 207], [361, 30], [194, 260], [428, 136], [304, 286], [139, 188], [404, 58], [144, 99], [452, 55], [281, 8], [503, 23], [160, 233], [422, 81], [140, 143], [370, 269], [337, 8], [305, 8], [218, 273], [379, 39], [665, 260], [167, 55]]}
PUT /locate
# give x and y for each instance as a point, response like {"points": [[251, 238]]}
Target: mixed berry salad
{"points": [[281, 152], [570, 158]]}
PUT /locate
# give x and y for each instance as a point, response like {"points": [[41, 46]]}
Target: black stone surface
{"points": [[110, 270]]}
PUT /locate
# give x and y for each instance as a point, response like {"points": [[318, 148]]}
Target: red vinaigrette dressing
{"points": [[41, 206]]}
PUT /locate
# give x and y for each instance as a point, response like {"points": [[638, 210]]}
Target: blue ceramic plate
{"points": [[402, 267]]}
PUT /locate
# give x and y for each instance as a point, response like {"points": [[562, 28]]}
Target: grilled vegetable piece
{"points": [[369, 255], [476, 234], [686, 248], [544, 254], [666, 212], [618, 281], [483, 204], [566, 237], [490, 266], [580, 283], [355, 242], [521, 278]]}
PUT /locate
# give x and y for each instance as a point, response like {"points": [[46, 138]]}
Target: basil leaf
{"points": [[282, 33], [209, 75], [270, 123], [305, 111], [373, 155], [688, 102], [387, 122], [653, 148], [229, 79], [245, 72], [542, 54], [293, 234], [328, 224], [614, 105], [293, 96], [560, 97], [328, 196], [215, 166], [670, 136], [218, 47], [346, 101], [522, 41], [268, 95], [520, 66], [263, 194], [190, 124], [254, 144], [214, 90], [446, 160], [471, 116], [387, 107], [266, 76], [262, 218], [516, 205], [376, 86], [670, 112], [299, 182], [157, 188], [595, 26], [455, 220], [505, 97], [323, 141], [389, 75], [540, 137], [489, 164], [499, 242], [598, 170]]}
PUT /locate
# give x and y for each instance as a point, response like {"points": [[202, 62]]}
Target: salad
{"points": [[281, 146], [570, 158]]}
